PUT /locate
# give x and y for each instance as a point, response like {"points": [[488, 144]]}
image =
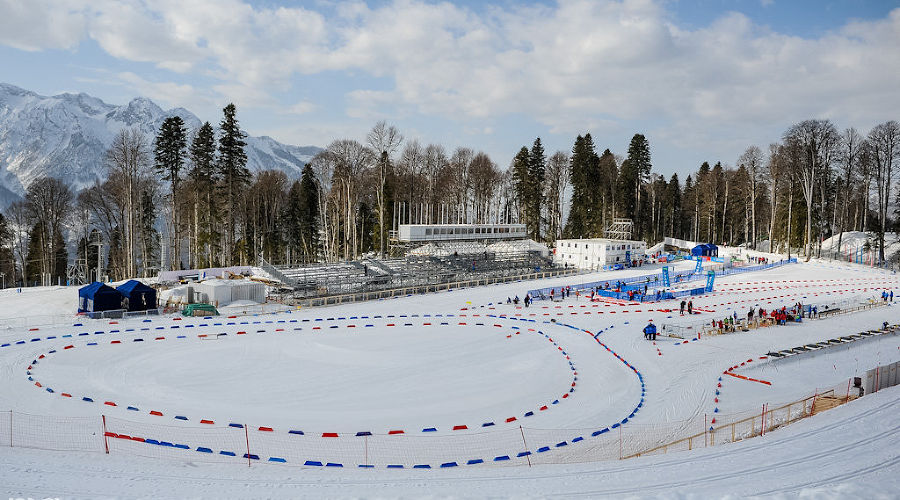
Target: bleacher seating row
{"points": [[371, 274]]}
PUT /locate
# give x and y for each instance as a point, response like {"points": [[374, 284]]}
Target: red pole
{"points": [[247, 437], [848, 389], [105, 437]]}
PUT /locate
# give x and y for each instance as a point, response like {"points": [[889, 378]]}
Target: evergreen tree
{"points": [[309, 222], [520, 181], [590, 196], [603, 186], [232, 167], [627, 204], [170, 153], [293, 227], [60, 259], [204, 174], [635, 172], [537, 169], [580, 203], [673, 201], [687, 209]]}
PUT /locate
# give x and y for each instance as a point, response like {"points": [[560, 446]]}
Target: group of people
{"points": [[757, 260], [690, 307], [515, 300], [564, 292], [887, 296]]}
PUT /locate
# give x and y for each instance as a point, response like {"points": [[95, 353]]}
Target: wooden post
{"points": [[522, 431], [247, 437], [105, 437]]}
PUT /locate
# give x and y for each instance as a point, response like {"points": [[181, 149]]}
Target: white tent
{"points": [[223, 292]]}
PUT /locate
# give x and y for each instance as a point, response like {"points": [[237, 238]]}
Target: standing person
{"points": [[527, 300], [690, 307], [650, 331], [892, 295], [683, 303]]}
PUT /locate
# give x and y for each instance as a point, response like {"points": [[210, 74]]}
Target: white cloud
{"points": [[574, 66], [41, 24], [167, 94], [301, 108]]}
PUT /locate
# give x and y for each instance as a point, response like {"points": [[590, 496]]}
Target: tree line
{"points": [[185, 199]]}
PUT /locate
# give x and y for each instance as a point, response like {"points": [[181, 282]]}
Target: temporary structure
{"points": [[224, 292], [140, 296], [98, 297]]}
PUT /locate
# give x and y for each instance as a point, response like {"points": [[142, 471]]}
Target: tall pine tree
{"points": [[233, 171], [634, 173], [309, 222], [520, 182], [170, 153], [537, 169], [204, 174]]}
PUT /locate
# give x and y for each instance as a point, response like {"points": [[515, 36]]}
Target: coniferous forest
{"points": [[185, 198]]}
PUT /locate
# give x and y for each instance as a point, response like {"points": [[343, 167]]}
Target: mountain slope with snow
{"points": [[67, 135]]}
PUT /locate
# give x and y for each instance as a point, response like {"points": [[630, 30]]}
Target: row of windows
{"points": [[586, 258], [609, 247], [469, 230]]}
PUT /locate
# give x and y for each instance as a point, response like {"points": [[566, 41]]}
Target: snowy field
{"points": [[440, 368]]}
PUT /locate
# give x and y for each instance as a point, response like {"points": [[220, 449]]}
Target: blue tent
{"points": [[98, 297], [140, 296], [713, 250], [698, 250]]}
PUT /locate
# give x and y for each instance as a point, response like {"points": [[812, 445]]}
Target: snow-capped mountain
{"points": [[67, 135]]}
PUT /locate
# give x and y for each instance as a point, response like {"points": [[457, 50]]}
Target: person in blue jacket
{"points": [[650, 331]]}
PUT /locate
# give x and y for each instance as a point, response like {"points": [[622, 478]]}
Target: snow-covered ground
{"points": [[853, 241], [447, 360]]}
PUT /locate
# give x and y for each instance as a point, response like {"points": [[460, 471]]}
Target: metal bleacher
{"points": [[370, 274]]}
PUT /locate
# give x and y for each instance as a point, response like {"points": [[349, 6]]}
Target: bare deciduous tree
{"points": [[885, 147], [384, 140], [129, 158]]}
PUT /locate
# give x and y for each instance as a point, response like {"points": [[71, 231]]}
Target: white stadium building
{"points": [[597, 253]]}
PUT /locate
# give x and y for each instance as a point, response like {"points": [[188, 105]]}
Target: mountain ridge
{"points": [[66, 136]]}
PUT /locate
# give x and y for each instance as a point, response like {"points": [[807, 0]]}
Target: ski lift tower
{"points": [[619, 229]]}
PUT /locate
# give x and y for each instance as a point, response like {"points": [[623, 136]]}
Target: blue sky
{"points": [[702, 80]]}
